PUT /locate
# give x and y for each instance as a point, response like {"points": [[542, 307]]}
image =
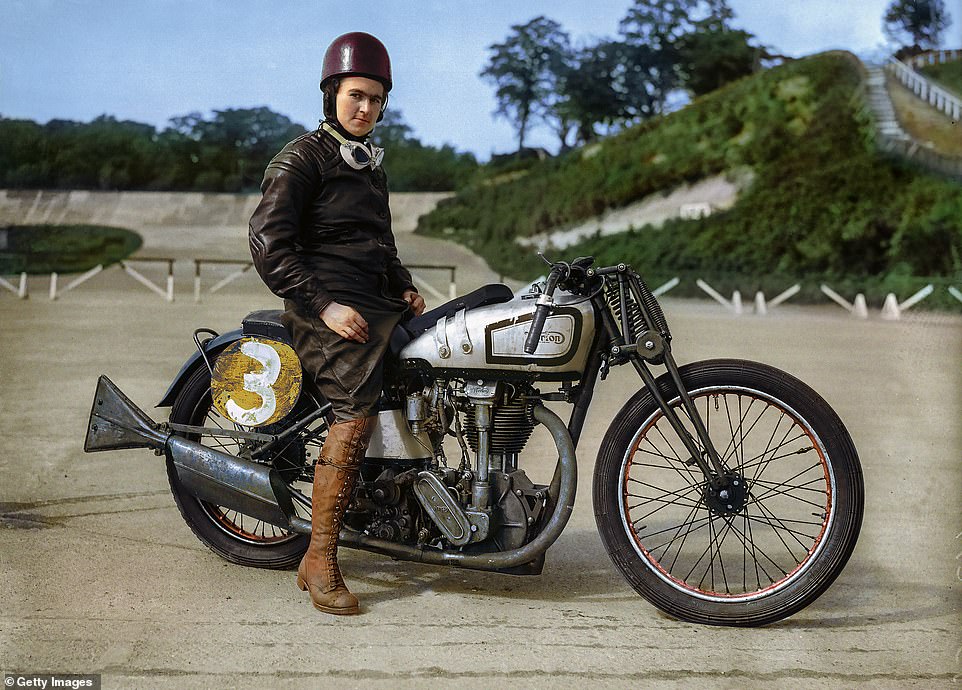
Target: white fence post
{"points": [[761, 307], [20, 291], [662, 289], [859, 308], [168, 294], [83, 277], [955, 292], [892, 309], [53, 285], [735, 305], [784, 295], [917, 297], [231, 278]]}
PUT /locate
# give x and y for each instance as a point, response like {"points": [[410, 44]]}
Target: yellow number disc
{"points": [[256, 381]]}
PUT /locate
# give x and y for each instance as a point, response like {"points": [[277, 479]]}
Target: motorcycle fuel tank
{"points": [[492, 337]]}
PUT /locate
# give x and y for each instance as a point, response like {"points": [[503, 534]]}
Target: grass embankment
{"points": [[948, 74], [823, 207], [63, 248]]}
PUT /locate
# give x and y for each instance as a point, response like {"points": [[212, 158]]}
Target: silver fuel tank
{"points": [[492, 337]]}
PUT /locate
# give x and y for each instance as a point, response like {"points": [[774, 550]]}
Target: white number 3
{"points": [[260, 383]]}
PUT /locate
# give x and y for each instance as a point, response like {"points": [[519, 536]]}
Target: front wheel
{"points": [[763, 542]]}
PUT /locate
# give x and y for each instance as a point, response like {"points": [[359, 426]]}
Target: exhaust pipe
{"points": [[210, 475], [116, 423]]}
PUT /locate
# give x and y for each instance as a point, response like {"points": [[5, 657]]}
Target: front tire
{"points": [[233, 536], [773, 539]]}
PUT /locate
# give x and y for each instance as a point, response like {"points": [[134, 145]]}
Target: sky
{"points": [[151, 60]]}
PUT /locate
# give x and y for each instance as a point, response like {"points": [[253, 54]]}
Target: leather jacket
{"points": [[322, 230]]}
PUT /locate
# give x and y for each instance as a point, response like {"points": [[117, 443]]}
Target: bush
{"points": [[63, 248]]}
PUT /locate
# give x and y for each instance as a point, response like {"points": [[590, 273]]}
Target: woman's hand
{"points": [[345, 321], [414, 300]]}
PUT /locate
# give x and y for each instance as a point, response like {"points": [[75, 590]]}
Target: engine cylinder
{"points": [[511, 427]]}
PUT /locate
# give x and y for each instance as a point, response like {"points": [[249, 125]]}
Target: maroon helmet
{"points": [[357, 54]]}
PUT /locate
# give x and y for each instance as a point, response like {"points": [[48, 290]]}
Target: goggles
{"points": [[355, 153]]}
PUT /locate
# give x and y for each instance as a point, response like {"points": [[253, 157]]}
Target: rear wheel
{"points": [[234, 536], [766, 540]]}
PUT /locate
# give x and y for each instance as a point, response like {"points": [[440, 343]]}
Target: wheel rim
{"points": [[760, 546], [235, 524]]}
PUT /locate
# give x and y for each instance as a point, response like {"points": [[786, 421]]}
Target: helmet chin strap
{"points": [[356, 154]]}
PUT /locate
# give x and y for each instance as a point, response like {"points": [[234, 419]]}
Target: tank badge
{"points": [[504, 340]]}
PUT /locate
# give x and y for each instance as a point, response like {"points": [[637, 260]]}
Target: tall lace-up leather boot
{"points": [[334, 476]]}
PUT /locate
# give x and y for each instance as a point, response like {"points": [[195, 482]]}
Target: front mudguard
{"points": [[212, 348]]}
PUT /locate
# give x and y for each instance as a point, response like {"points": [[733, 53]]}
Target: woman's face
{"points": [[358, 104]]}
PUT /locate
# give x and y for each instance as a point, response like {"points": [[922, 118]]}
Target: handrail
{"points": [[934, 95]]}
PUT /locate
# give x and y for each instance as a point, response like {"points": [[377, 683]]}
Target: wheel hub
{"points": [[726, 496]]}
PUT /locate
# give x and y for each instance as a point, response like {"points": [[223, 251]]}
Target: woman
{"points": [[321, 239]]}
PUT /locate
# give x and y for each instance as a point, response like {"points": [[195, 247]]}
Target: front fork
{"points": [[647, 339], [705, 457]]}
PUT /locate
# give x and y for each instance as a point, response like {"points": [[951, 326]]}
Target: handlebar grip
{"points": [[537, 325]]}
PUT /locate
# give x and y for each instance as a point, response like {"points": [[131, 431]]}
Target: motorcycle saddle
{"points": [[494, 293], [267, 323]]}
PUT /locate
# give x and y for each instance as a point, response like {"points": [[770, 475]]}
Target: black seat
{"points": [[267, 322], [495, 293]]}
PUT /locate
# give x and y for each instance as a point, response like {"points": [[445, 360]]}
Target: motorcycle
{"points": [[726, 492]]}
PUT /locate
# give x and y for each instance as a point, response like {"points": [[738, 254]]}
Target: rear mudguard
{"points": [[211, 348]]}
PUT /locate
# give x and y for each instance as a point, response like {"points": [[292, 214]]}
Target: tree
{"points": [[660, 45], [589, 96], [919, 21], [526, 70], [651, 29], [22, 148], [711, 59], [230, 151]]}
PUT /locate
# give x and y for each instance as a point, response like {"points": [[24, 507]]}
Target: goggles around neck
{"points": [[356, 154]]}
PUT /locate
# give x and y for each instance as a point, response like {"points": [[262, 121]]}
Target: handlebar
{"points": [[537, 325], [558, 271]]}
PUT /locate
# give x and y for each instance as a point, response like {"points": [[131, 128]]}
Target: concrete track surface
{"points": [[99, 573]]}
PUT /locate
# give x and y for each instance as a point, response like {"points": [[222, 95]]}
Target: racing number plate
{"points": [[256, 381]]}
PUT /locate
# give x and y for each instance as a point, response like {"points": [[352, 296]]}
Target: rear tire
{"points": [[779, 534], [231, 535]]}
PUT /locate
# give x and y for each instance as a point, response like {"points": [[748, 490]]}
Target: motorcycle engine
{"points": [[511, 426], [383, 505]]}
